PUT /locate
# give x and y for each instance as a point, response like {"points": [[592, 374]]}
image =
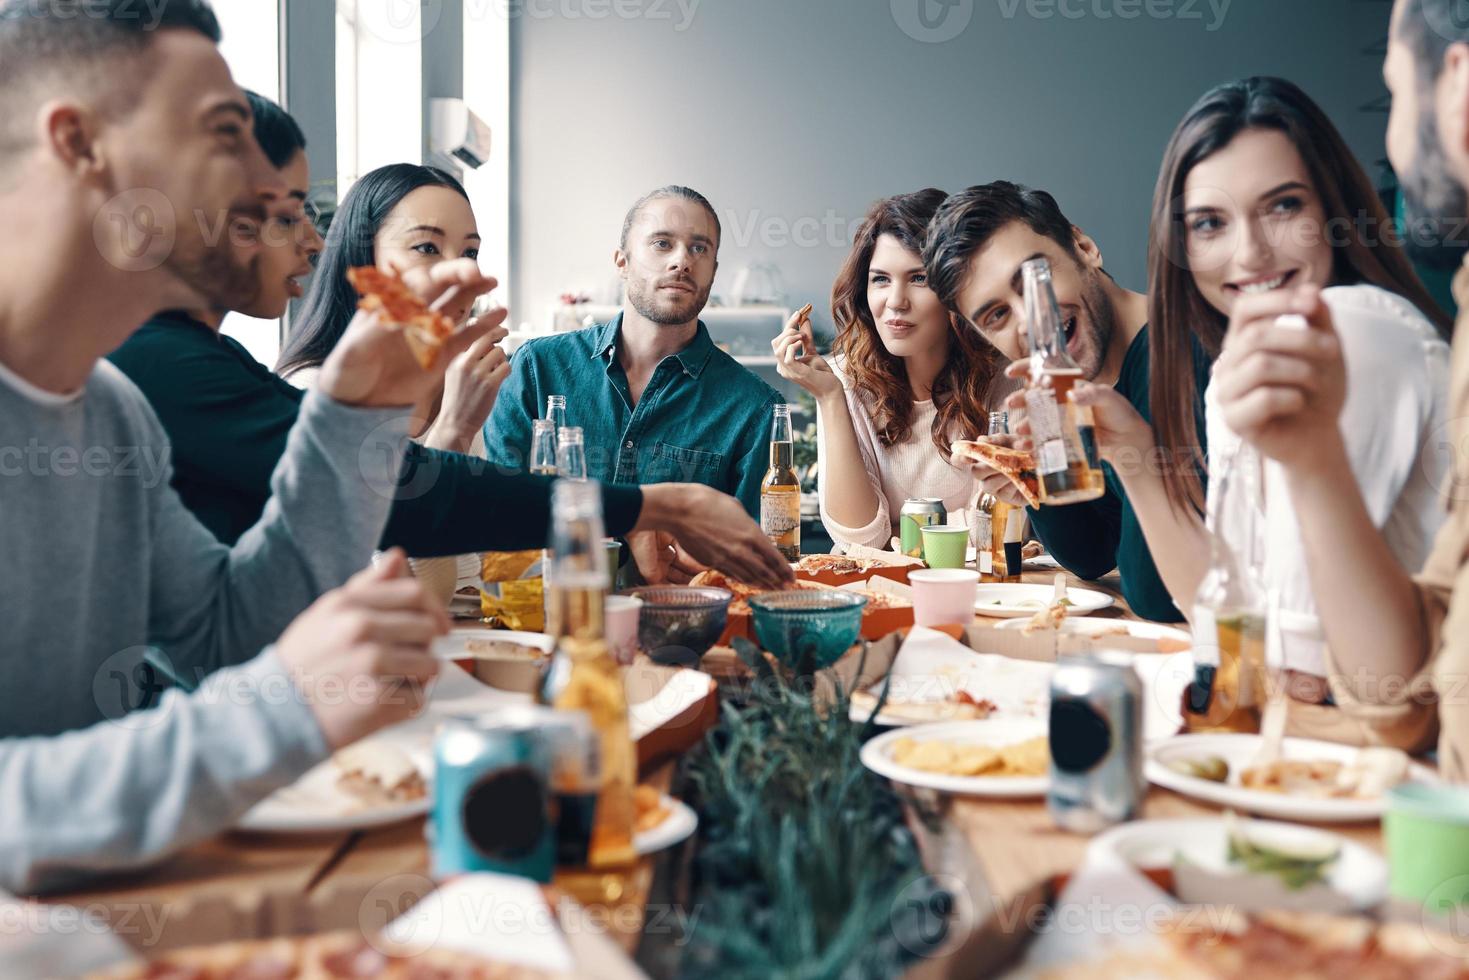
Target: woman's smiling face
{"points": [[1253, 221]]}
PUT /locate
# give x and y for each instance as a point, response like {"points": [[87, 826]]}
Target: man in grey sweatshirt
{"points": [[125, 156]]}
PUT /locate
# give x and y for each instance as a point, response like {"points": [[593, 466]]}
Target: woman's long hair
{"points": [[331, 301], [960, 389], [1364, 251]]}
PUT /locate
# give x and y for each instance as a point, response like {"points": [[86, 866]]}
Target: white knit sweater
{"points": [[911, 468]]}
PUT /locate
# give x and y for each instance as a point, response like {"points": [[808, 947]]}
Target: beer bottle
{"points": [[1227, 691], [543, 447], [999, 510], [1065, 443], [593, 683], [780, 491], [571, 454]]}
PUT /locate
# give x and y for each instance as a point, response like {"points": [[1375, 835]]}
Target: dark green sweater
{"points": [[227, 417], [1091, 539]]}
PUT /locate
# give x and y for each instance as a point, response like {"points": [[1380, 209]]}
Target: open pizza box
{"points": [[525, 929]]}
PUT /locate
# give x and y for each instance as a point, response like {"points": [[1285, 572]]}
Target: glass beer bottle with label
{"points": [[780, 491], [593, 684], [1227, 691], [1065, 443]]}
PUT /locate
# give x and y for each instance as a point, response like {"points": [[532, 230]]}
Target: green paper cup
{"points": [[944, 545], [1426, 833]]}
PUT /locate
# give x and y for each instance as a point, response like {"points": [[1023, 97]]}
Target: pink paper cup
{"points": [[943, 595], [621, 612]]}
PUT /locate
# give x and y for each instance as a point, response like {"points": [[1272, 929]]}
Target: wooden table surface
{"points": [[1015, 852]]}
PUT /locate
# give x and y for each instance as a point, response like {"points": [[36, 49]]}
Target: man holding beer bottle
{"points": [[978, 242]]}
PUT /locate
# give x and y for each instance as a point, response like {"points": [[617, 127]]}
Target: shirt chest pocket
{"points": [[674, 464]]}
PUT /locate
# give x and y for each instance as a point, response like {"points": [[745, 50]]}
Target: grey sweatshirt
{"points": [[98, 560]]}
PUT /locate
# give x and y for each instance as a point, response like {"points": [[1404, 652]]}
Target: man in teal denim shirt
{"points": [[656, 399]]}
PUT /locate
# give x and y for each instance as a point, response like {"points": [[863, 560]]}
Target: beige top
{"points": [[912, 468], [1405, 712]]}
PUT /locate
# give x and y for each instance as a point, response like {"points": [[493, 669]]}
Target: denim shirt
{"points": [[703, 418]]}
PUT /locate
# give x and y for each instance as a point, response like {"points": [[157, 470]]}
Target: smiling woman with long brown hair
{"points": [[1260, 209], [905, 380]]}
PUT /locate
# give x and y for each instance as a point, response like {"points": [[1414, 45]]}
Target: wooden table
{"points": [[1007, 854]]}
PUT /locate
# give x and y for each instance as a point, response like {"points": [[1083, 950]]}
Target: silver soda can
{"points": [[1096, 742], [918, 513], [495, 803]]}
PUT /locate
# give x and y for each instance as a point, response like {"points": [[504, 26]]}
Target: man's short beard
{"points": [[647, 306], [214, 274], [1433, 202]]}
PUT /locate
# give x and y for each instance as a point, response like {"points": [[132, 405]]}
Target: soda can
{"points": [[918, 513], [1096, 742], [498, 782]]}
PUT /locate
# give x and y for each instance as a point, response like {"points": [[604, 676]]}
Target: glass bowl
{"points": [[814, 624], [679, 623]]}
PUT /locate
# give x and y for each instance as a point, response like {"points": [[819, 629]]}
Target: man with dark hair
{"points": [[126, 156], [657, 401], [1397, 644], [977, 243]]}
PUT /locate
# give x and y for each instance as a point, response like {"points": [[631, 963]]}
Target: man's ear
{"points": [[619, 259], [69, 134], [1086, 248]]}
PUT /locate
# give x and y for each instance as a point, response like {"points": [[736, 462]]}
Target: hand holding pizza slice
{"points": [[1017, 466], [373, 366]]}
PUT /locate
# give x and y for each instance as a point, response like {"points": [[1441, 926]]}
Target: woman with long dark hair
{"points": [[396, 217], [1260, 209], [906, 380]]}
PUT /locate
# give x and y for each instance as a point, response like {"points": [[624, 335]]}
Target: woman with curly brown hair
{"points": [[905, 381]]}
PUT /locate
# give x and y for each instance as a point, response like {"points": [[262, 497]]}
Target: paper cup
{"points": [[622, 613], [944, 545], [1426, 834], [943, 595]]}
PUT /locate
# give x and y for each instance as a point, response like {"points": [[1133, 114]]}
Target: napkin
{"points": [[933, 666], [1107, 904], [500, 917]]}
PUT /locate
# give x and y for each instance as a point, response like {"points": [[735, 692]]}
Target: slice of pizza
{"points": [[378, 774], [1016, 464], [387, 295]]}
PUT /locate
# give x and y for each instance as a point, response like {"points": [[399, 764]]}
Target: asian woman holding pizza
{"points": [[904, 381]]}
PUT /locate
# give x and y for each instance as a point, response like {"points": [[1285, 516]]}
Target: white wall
{"points": [[794, 115]]}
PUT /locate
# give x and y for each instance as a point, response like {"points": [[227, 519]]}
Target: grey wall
{"points": [[794, 115]]}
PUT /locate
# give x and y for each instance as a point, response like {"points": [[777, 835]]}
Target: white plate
{"points": [[314, 805], [1006, 600], [1239, 751], [877, 756], [455, 645], [676, 827], [1359, 875], [1096, 625]]}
